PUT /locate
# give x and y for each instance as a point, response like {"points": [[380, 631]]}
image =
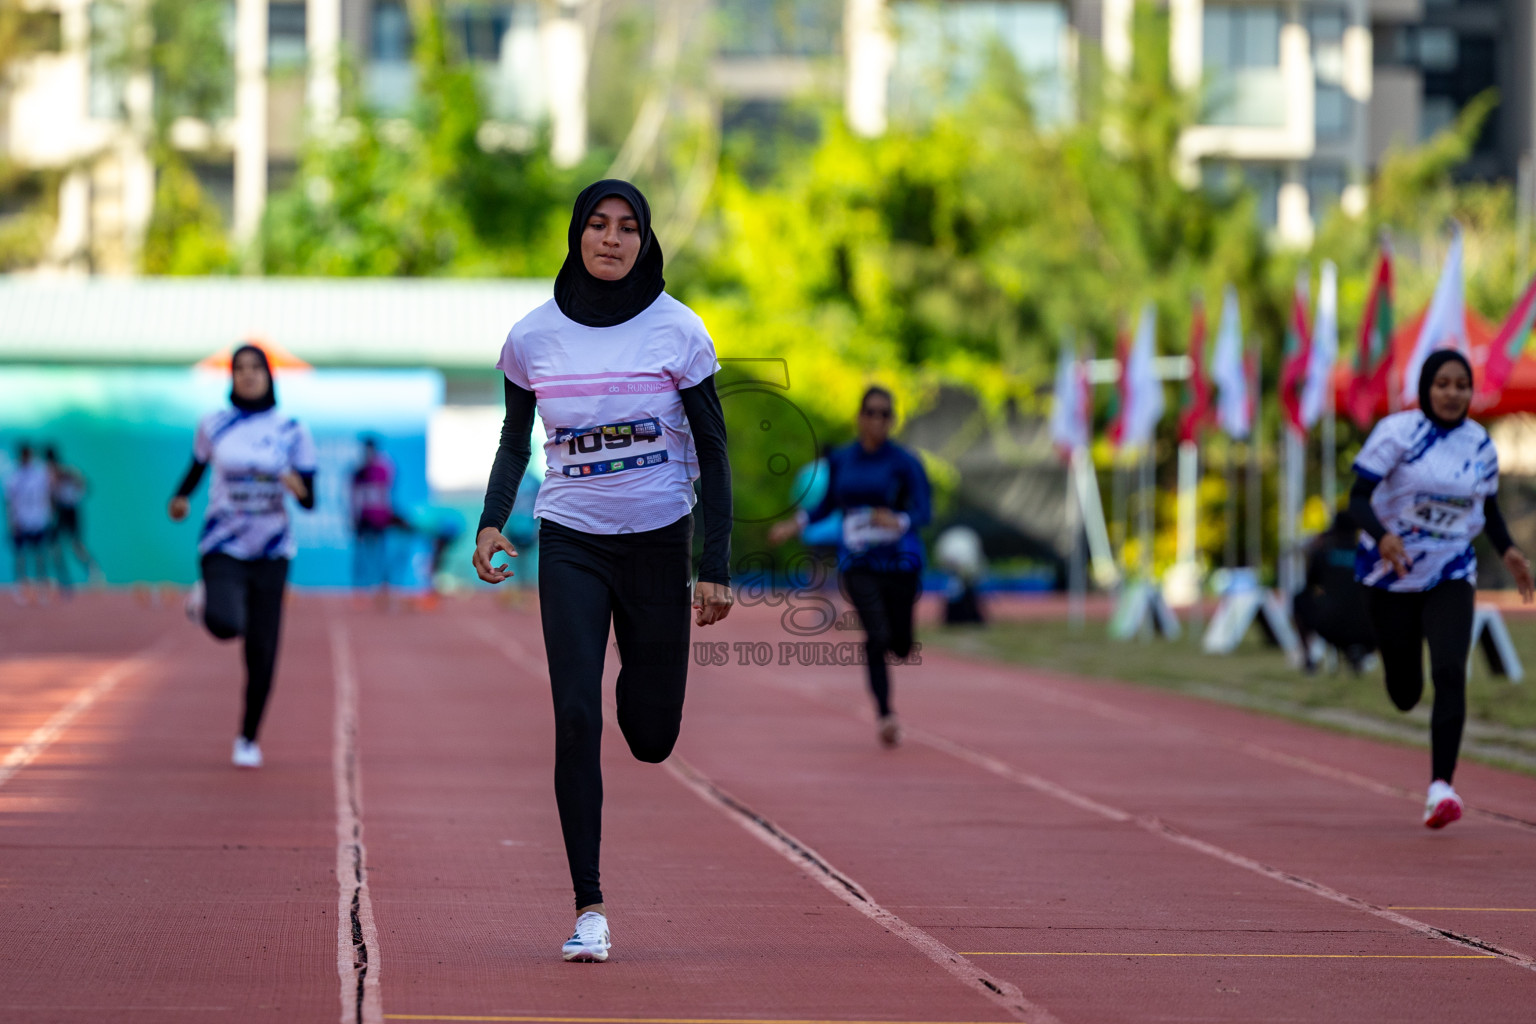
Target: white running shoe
{"points": [[890, 731], [1443, 805], [197, 598], [247, 753], [590, 944]]}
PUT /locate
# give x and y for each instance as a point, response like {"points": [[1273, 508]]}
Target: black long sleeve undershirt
{"points": [[1360, 507], [706, 420], [511, 457], [192, 479], [196, 470]]}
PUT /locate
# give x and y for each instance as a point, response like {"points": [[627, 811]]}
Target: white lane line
{"points": [[1005, 995], [18, 757], [357, 938], [1002, 993], [1165, 831], [997, 767], [1047, 691]]}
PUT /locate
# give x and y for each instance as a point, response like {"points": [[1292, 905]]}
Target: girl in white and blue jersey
{"points": [[1427, 483], [622, 375], [259, 456]]}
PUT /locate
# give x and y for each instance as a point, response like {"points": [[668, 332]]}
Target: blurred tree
{"points": [[182, 48], [442, 191], [28, 198]]}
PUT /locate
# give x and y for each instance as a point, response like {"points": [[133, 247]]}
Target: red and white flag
{"points": [[1373, 359], [1141, 393], [1506, 349], [1197, 396], [1445, 325], [1293, 363]]}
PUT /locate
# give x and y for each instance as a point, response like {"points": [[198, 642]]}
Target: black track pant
{"points": [[884, 601], [642, 584], [245, 598], [1443, 616]]}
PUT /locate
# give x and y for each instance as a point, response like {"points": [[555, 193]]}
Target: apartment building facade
{"points": [[1302, 97]]}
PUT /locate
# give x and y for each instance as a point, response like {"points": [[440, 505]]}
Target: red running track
{"points": [[1042, 848]]}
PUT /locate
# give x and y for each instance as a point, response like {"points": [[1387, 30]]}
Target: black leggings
{"points": [[244, 597], [884, 601], [1443, 616], [642, 584]]}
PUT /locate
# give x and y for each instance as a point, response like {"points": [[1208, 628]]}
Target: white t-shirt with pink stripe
{"points": [[618, 451]]}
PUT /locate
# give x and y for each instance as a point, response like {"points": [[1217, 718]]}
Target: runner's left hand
{"points": [[295, 484], [1520, 568], [712, 601]]}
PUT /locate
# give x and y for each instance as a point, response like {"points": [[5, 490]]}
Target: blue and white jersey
{"points": [[1432, 485], [248, 453]]}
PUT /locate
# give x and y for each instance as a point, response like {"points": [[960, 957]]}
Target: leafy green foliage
{"points": [[421, 195], [186, 234]]}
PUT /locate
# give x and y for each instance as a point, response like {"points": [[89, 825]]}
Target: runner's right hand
{"points": [[1391, 549], [487, 544], [178, 509]]}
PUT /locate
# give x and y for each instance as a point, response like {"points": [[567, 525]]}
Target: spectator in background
{"points": [[1332, 604], [373, 513], [67, 490], [29, 514]]}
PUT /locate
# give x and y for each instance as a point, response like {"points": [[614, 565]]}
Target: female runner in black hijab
{"points": [[622, 375], [259, 456], [1427, 483]]}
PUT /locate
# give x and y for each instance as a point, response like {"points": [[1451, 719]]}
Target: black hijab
{"points": [[590, 300], [266, 401], [1432, 364]]}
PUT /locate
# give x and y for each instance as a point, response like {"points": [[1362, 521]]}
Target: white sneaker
{"points": [[590, 943], [890, 731], [247, 753], [1443, 805], [197, 598]]}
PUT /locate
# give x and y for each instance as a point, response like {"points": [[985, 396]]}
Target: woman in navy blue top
{"points": [[882, 491]]}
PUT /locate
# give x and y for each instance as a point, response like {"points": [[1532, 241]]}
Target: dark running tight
{"points": [[244, 597], [1443, 616], [884, 601], [642, 584]]}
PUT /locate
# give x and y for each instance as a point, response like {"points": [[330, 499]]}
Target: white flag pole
{"points": [[1255, 472], [1229, 557], [1077, 574], [1189, 489], [1091, 506]]}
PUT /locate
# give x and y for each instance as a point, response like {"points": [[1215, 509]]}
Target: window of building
{"points": [[1241, 37], [1241, 48], [479, 31], [392, 37], [108, 22], [1333, 110], [1325, 186], [945, 50], [286, 45], [778, 28], [1436, 49]]}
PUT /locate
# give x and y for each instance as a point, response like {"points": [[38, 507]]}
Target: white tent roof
{"points": [[444, 323]]}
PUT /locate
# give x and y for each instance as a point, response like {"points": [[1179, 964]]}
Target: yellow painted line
{"points": [[1478, 910], [664, 1020], [1273, 956]]}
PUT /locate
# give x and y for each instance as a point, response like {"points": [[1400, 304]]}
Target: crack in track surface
{"points": [[357, 952], [1003, 994]]}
